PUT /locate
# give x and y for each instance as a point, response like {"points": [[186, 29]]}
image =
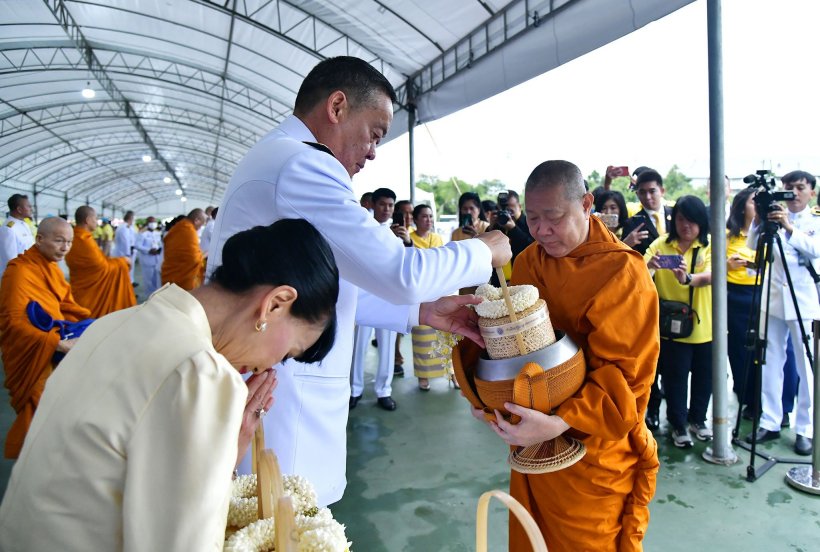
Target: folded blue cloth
{"points": [[41, 320]]}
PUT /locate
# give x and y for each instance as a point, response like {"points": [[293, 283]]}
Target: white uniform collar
{"points": [[294, 127]]}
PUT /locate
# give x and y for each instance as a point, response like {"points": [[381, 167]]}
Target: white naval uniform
{"points": [[124, 242], [386, 342], [804, 242], [150, 264], [281, 177], [205, 236], [15, 238]]}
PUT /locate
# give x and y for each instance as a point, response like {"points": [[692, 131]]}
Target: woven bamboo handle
{"points": [[257, 446], [284, 526], [519, 339], [269, 486], [524, 517]]}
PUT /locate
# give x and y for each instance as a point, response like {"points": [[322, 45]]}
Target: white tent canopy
{"points": [[194, 83]]}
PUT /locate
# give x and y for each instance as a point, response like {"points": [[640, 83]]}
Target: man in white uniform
{"points": [[302, 169], [207, 230], [15, 234], [800, 233], [125, 240], [383, 201], [149, 247]]}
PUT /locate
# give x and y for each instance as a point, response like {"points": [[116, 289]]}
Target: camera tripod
{"points": [[764, 257]]}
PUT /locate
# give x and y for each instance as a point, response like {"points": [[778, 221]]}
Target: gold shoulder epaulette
{"points": [[320, 147], [10, 223], [815, 211]]}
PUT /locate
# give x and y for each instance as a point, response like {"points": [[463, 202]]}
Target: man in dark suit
{"points": [[654, 219], [642, 229]]}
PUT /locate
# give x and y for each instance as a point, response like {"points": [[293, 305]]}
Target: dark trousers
{"points": [[675, 363], [739, 310]]}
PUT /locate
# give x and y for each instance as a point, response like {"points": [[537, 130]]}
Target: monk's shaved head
{"points": [[553, 174], [51, 225], [82, 214], [54, 237], [197, 217]]}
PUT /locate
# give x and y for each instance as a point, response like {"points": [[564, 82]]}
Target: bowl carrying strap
{"points": [[530, 390]]}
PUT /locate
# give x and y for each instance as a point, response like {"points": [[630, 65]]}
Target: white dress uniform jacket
{"points": [[282, 177], [205, 236], [131, 451], [801, 247], [125, 239], [150, 264], [15, 238]]}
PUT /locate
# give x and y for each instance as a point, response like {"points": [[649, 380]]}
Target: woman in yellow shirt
{"points": [[741, 279], [427, 363], [679, 357], [612, 202], [469, 204]]}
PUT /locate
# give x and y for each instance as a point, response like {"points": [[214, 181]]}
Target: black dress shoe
{"points": [[747, 413], [763, 436], [652, 421], [354, 401], [802, 446], [398, 371], [785, 421], [387, 403]]}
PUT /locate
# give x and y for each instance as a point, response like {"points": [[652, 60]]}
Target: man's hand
{"points": [[499, 245], [65, 345], [636, 236], [260, 395], [401, 232], [781, 216], [450, 314], [534, 427]]}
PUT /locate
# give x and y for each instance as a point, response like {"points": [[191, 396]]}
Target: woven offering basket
{"points": [[524, 381], [533, 325]]}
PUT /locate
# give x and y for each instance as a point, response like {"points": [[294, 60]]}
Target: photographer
{"points": [[799, 231], [510, 219]]}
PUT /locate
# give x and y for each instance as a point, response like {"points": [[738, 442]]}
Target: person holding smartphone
{"points": [[471, 218]]}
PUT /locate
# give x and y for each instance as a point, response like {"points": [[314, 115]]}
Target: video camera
{"points": [[765, 199], [503, 214]]}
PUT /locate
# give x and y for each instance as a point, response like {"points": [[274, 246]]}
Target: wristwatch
{"points": [[688, 281]]}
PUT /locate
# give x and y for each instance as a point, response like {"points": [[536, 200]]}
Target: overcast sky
{"points": [[642, 100]]}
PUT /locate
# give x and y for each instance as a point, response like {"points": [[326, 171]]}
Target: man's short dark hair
{"points": [[383, 192], [797, 176], [637, 172], [355, 77], [649, 175], [15, 201], [513, 193]]}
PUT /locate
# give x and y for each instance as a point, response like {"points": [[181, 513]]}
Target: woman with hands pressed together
{"points": [[137, 433]]}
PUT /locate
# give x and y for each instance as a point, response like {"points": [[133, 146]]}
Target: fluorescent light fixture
{"points": [[167, 179], [88, 92], [183, 199], [146, 158], [178, 192]]}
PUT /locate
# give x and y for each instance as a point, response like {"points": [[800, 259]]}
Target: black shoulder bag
{"points": [[677, 320]]}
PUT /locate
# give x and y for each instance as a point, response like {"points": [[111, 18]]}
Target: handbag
{"points": [[677, 319]]}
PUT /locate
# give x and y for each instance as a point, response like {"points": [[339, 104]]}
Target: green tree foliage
{"points": [[447, 192]]}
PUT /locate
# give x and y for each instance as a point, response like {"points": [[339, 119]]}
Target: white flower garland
{"points": [[316, 529], [494, 306]]}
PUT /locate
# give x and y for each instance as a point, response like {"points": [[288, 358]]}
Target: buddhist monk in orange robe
{"points": [[28, 351], [100, 283], [600, 293], [184, 263]]}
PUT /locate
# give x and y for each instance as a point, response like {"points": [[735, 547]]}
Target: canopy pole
{"points": [[411, 123], [36, 210], [721, 451]]}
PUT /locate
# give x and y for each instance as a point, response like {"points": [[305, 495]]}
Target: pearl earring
{"points": [[261, 326]]}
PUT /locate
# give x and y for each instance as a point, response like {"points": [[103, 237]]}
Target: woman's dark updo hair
{"points": [[289, 252], [419, 208], [694, 210]]}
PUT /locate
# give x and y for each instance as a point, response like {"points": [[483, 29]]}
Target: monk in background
{"points": [[28, 351], [599, 292], [184, 263], [100, 283]]}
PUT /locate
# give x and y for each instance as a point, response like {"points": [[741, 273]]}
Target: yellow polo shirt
{"points": [[670, 289], [737, 246]]}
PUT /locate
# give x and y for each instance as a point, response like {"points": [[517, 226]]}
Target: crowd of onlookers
{"points": [[674, 239]]}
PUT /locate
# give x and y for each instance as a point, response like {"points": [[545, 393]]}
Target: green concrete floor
{"points": [[415, 474]]}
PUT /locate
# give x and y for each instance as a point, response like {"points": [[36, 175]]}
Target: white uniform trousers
{"points": [[150, 276], [772, 408], [383, 385]]}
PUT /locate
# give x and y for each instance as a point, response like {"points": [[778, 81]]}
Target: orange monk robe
{"points": [[26, 350], [183, 263], [100, 283], [602, 296]]}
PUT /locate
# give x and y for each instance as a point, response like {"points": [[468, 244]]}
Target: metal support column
{"points": [[36, 211], [721, 451], [411, 123]]}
